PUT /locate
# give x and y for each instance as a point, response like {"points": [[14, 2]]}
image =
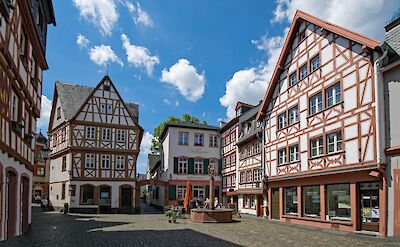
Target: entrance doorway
{"points": [[126, 199], [105, 200], [10, 204], [275, 214], [260, 206], [24, 204], [369, 196]]}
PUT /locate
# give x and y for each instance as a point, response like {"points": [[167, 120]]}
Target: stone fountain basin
{"points": [[219, 215]]}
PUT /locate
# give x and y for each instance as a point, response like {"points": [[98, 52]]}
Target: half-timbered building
{"points": [[95, 139], [23, 31], [320, 117], [41, 169]]}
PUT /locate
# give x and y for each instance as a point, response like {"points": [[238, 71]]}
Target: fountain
{"points": [[211, 214]]}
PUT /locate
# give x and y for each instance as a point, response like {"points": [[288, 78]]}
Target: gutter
{"points": [[380, 118]]}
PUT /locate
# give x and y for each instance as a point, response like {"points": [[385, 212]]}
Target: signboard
{"points": [[4, 94]]}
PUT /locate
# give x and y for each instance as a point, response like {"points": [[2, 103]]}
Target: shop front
{"points": [[349, 202]]}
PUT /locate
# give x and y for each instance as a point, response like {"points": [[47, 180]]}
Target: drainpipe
{"points": [[380, 118]]}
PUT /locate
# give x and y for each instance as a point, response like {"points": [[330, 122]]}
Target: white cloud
{"points": [[249, 85], [43, 122], [102, 13], [139, 56], [166, 101], [145, 146], [129, 5], [142, 17], [184, 76], [82, 41], [103, 54], [177, 103], [347, 13]]}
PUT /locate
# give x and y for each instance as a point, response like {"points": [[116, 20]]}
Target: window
{"points": [[234, 180], [109, 108], [198, 192], [282, 121], [183, 138], [233, 159], [106, 134], [333, 95], [311, 201], [121, 135], [303, 72], [102, 108], [87, 194], [14, 106], [90, 161], [213, 141], [252, 201], [257, 175], [246, 201], [105, 161], [302, 36], [282, 156], [293, 115], [293, 79], [180, 192], [242, 177], [256, 147], [294, 153], [249, 176], [106, 87], [64, 163], [224, 180], [58, 112], [198, 166], [120, 162], [63, 191], [90, 133], [315, 63], [198, 139], [214, 164], [338, 205], [250, 150], [334, 142], [72, 190], [40, 171], [317, 147], [228, 181], [63, 134], [182, 165], [290, 201], [316, 103]]}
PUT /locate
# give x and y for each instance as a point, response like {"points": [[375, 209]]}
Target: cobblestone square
{"points": [[152, 229]]}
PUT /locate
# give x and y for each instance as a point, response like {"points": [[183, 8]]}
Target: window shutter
{"points": [[219, 166], [175, 165], [172, 192], [207, 193], [191, 165], [206, 162]]}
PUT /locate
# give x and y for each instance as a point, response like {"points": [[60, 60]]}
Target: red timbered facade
{"points": [[95, 139], [319, 115], [23, 30]]}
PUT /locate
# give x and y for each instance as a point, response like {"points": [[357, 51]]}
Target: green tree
{"points": [[156, 142]]}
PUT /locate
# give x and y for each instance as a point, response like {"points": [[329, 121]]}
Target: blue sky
{"points": [[175, 57]]}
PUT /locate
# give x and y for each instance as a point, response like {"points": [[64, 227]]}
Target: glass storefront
{"points": [[290, 201], [338, 202], [311, 201], [369, 195]]}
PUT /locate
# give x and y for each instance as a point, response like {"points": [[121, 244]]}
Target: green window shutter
{"points": [[206, 162], [219, 166], [175, 165], [207, 192], [172, 192], [191, 165]]}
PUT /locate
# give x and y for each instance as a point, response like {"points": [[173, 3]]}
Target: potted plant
{"points": [[171, 216]]}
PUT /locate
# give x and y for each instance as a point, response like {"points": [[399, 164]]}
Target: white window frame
{"points": [[228, 182], [256, 148], [317, 146], [234, 180], [198, 166], [183, 138], [106, 134], [121, 135], [282, 157], [293, 79], [213, 141], [14, 106], [198, 139], [293, 115], [103, 108], [249, 175], [334, 140], [282, 120], [303, 73], [90, 161], [314, 65], [183, 165], [90, 133], [294, 153], [200, 191], [333, 95], [180, 192], [105, 162], [316, 103], [119, 162]]}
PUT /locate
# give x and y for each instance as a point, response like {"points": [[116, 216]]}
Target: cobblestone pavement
{"points": [[53, 229]]}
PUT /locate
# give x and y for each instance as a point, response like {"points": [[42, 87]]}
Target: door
{"points": [[369, 196], [10, 204], [260, 206], [396, 185], [275, 214], [24, 204], [105, 199], [126, 197]]}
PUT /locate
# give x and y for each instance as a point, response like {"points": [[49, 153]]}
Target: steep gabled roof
{"points": [[298, 17], [71, 97]]}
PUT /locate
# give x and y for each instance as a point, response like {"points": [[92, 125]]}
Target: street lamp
{"points": [[45, 153]]}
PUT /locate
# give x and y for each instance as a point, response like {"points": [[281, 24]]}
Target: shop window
{"points": [[87, 194], [338, 205], [290, 201], [252, 201], [311, 201]]}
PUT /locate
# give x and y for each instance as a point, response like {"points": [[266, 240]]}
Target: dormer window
{"points": [[58, 112]]}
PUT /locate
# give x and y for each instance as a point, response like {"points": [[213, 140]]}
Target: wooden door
{"points": [[126, 197], [396, 208], [260, 206], [275, 213], [24, 204], [11, 204]]}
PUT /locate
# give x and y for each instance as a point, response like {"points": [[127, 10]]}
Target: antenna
{"points": [[107, 70]]}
